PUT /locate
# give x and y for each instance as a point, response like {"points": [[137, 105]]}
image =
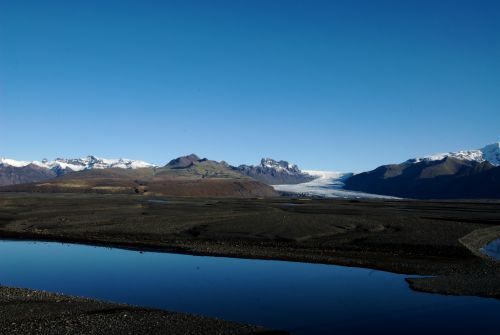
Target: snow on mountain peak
{"points": [[12, 162], [79, 164], [282, 166], [489, 153], [92, 162]]}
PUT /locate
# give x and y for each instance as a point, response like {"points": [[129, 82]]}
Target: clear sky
{"points": [[336, 85]]}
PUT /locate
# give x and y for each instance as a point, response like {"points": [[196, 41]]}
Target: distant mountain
{"points": [[192, 166], [61, 165], [18, 172], [489, 153], [458, 175], [274, 172], [183, 176], [11, 174], [268, 172], [183, 162], [464, 174]]}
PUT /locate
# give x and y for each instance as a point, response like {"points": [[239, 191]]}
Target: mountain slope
{"points": [[274, 172], [185, 176], [11, 174], [448, 178], [194, 167]]}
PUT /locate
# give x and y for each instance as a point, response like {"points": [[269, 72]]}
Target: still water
{"points": [[492, 249], [298, 297]]}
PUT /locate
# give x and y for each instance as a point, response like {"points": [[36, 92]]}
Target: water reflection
{"points": [[299, 297]]}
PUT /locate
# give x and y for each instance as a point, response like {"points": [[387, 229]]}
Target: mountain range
{"points": [[463, 174], [20, 172], [63, 165], [184, 176], [16, 172]]}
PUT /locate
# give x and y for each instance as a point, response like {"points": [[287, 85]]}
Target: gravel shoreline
{"points": [[24, 311]]}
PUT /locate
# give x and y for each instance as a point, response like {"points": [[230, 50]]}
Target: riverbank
{"points": [[24, 311], [411, 237]]}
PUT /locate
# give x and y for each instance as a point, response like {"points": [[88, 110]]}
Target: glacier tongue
{"points": [[329, 184]]}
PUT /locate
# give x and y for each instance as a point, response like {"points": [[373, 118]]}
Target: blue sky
{"points": [[337, 85]]}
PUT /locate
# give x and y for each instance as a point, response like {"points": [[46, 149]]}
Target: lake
{"points": [[298, 297]]}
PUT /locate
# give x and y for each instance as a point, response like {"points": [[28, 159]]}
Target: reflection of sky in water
{"points": [[304, 298], [492, 249]]}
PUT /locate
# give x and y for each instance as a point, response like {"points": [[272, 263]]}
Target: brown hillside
{"points": [[203, 178]]}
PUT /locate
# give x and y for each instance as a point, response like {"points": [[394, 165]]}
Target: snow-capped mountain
{"points": [[20, 172], [13, 163], [467, 174], [274, 172], [62, 165], [489, 153], [281, 166]]}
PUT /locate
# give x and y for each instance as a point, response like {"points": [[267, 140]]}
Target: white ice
{"points": [[329, 184]]}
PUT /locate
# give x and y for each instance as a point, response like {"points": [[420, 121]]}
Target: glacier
{"points": [[328, 184]]}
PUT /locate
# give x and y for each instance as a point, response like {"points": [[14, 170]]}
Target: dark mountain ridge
{"points": [[449, 178], [10, 175], [183, 162]]}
